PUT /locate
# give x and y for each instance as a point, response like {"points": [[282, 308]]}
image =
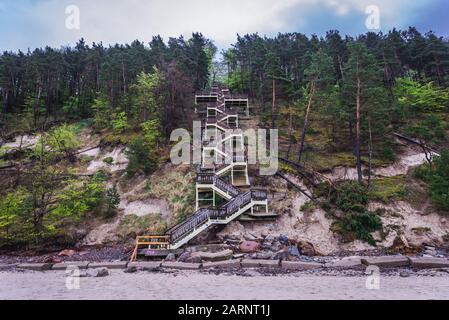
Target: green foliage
{"points": [[145, 97], [34, 106], [389, 188], [79, 198], [308, 207], [429, 128], [357, 222], [421, 97], [437, 176], [108, 160], [237, 81], [70, 107], [62, 139], [151, 132], [358, 225], [12, 205], [120, 122], [138, 153], [102, 111], [112, 200], [350, 196]]}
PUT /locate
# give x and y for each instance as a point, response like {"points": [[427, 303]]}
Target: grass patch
{"points": [[387, 189], [177, 186], [133, 225], [108, 160], [308, 207], [326, 161], [113, 138]]}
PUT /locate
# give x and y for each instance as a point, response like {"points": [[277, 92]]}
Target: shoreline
{"points": [[193, 285]]}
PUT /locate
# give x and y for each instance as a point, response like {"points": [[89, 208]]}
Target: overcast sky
{"points": [[36, 23]]}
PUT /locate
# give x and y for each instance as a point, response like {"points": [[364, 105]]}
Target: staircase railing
{"points": [[202, 216], [212, 179]]}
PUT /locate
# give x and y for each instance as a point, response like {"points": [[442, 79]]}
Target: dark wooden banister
{"points": [[221, 213]]}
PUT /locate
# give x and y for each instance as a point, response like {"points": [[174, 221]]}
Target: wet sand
{"points": [[198, 286]]}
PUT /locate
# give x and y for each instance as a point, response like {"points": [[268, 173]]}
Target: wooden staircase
{"points": [[237, 202]]}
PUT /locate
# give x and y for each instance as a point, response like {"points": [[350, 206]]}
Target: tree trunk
{"points": [[124, 78], [290, 133], [370, 157], [340, 63], [357, 129], [273, 107], [306, 121]]}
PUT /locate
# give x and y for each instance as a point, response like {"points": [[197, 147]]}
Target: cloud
{"points": [[42, 22]]}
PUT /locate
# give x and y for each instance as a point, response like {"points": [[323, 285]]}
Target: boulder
{"points": [[249, 237], [429, 263], [266, 245], [272, 245], [307, 249], [387, 261], [282, 255], [293, 251], [131, 269], [214, 256], [184, 256], [249, 246], [283, 239], [96, 273]]}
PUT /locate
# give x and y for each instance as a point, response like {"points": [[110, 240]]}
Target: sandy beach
{"points": [[200, 286]]}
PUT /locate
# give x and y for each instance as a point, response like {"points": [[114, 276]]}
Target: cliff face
{"points": [[408, 218], [163, 198]]}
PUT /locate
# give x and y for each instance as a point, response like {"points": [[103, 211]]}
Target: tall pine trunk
{"points": [[273, 107], [306, 121], [357, 130], [290, 133], [370, 156]]}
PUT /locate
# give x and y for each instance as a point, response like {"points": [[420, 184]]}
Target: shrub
{"points": [[437, 176], [430, 129], [112, 200], [350, 196], [120, 122], [359, 225], [138, 153], [108, 160]]}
